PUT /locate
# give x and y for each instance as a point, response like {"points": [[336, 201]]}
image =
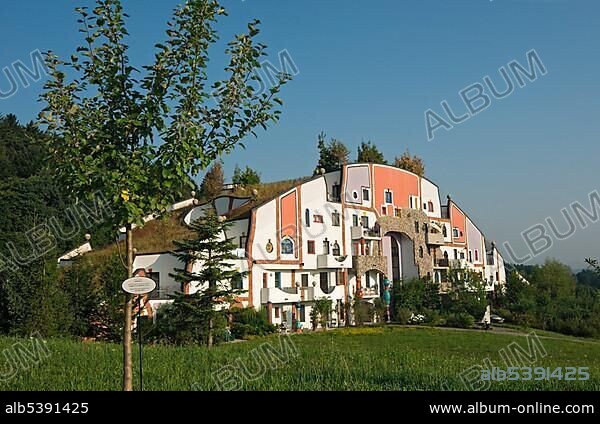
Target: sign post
{"points": [[139, 286]]}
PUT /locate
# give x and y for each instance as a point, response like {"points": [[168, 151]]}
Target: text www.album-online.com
{"points": [[534, 408]]}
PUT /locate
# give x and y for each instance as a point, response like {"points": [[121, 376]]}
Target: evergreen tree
{"points": [[215, 279], [246, 177], [368, 152]]}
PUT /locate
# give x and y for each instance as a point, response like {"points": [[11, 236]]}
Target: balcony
{"points": [[359, 232], [330, 261], [442, 263], [287, 294], [434, 238], [370, 292]]}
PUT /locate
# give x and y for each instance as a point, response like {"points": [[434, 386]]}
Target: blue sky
{"points": [[369, 71]]}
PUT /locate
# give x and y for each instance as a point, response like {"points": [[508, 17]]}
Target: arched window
{"points": [[420, 251], [444, 231], [446, 254], [476, 255], [287, 246], [336, 249], [307, 217], [430, 206]]}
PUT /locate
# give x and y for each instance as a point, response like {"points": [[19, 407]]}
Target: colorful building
{"points": [[338, 235]]}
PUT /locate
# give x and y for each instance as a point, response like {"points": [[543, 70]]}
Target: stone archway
{"points": [[410, 222]]}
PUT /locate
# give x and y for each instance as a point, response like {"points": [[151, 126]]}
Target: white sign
{"points": [[139, 285]]}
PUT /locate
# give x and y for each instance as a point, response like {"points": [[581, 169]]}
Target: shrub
{"points": [[460, 320], [403, 315], [250, 322]]}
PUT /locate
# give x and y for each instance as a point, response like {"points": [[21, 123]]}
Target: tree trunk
{"points": [[209, 341], [127, 363]]}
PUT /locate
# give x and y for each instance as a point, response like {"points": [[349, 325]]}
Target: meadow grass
{"points": [[378, 358]]}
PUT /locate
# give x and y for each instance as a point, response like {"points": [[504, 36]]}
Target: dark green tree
{"points": [[368, 152], [332, 154], [245, 177], [216, 280]]}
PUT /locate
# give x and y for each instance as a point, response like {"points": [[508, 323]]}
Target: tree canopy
{"points": [[368, 152]]}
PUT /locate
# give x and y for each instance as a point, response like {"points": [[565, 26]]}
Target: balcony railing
{"points": [[359, 232], [442, 263], [330, 261]]}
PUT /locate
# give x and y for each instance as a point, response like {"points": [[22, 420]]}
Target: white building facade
{"points": [[339, 235]]}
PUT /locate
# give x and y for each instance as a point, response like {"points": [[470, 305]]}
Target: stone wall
{"points": [[405, 223]]}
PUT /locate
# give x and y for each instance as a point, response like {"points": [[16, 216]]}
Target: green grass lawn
{"points": [[378, 358]]}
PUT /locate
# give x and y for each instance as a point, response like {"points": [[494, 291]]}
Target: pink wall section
{"points": [[401, 183], [288, 215], [458, 221]]}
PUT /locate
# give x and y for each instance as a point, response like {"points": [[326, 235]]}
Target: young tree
{"points": [[213, 181], [410, 163], [368, 152], [339, 151], [246, 177], [215, 279], [106, 117]]}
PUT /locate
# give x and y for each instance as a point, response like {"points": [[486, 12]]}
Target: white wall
{"points": [[430, 193], [164, 264], [265, 229]]}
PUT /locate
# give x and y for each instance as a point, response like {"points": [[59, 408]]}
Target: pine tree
{"points": [[246, 177], [214, 279]]}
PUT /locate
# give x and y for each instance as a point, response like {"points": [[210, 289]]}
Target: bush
{"points": [[433, 317], [403, 315], [250, 322], [460, 320]]}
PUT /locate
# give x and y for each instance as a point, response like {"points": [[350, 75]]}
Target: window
{"points": [[336, 249], [287, 246], [424, 206], [335, 191], [413, 201], [243, 239], [444, 231], [324, 280], [455, 232], [301, 314], [304, 280], [276, 309], [455, 254], [310, 247], [355, 194], [155, 276], [326, 247], [365, 192], [355, 220], [417, 227], [265, 280], [278, 279], [388, 196], [335, 219], [430, 206], [237, 282], [462, 255], [307, 217], [420, 251], [425, 227], [364, 221], [384, 210], [397, 212], [318, 219], [476, 255], [445, 255], [470, 256]]}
